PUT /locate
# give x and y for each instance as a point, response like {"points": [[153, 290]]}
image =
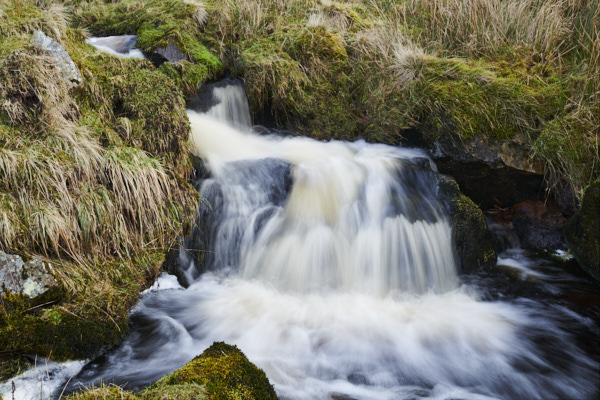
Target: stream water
{"points": [[330, 265]]}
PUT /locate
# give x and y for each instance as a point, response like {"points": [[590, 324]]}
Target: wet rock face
{"points": [[582, 232], [31, 278], [538, 224], [65, 64], [473, 242], [491, 188]]}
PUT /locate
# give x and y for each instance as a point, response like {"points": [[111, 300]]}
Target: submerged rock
{"points": [[64, 62], [538, 224], [582, 232], [32, 278]]}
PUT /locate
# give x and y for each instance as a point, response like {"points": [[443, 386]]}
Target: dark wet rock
{"points": [[582, 232], [32, 278], [473, 242], [538, 224], [492, 188], [65, 64]]}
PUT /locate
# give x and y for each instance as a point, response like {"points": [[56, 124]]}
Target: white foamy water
{"points": [[41, 381], [120, 46], [330, 265]]}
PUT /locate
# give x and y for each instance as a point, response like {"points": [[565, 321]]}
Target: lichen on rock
{"points": [[32, 278], [68, 69]]}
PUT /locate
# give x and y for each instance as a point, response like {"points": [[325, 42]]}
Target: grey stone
{"points": [[31, 278], [64, 62], [171, 52]]}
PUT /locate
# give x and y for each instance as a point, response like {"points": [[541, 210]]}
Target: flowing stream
{"points": [[330, 265]]}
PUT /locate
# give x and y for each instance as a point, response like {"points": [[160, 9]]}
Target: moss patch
{"points": [[225, 372], [473, 242], [221, 372], [582, 232], [159, 24]]}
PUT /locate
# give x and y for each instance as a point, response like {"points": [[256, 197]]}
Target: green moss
{"points": [[582, 232], [473, 242], [478, 102], [273, 79], [175, 392], [159, 24], [225, 372]]}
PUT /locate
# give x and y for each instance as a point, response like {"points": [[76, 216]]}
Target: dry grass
{"points": [[63, 194]]}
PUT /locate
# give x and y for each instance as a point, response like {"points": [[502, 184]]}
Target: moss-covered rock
{"points": [[582, 232], [473, 242], [221, 372], [226, 373], [159, 25]]}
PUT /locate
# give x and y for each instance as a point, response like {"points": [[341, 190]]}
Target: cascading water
{"points": [[330, 266]]}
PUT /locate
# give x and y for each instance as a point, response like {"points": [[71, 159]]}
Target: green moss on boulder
{"points": [[582, 232], [472, 240], [221, 372], [226, 373]]}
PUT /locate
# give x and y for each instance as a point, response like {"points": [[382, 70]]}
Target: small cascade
{"points": [[330, 265], [120, 46]]}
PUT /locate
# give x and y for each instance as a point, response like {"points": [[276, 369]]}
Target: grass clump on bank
{"points": [[372, 69], [92, 180]]}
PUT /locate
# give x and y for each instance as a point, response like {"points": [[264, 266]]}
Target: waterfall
{"points": [[308, 216], [330, 265]]}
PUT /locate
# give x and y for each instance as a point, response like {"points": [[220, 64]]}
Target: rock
{"points": [[582, 232], [491, 172], [538, 224], [225, 373], [473, 242], [31, 279], [64, 62], [171, 52]]}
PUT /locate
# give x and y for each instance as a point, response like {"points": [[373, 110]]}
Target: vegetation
{"points": [[221, 372], [373, 68], [93, 179], [582, 232]]}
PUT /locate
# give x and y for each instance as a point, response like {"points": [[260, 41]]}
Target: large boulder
{"points": [[582, 232], [225, 373]]}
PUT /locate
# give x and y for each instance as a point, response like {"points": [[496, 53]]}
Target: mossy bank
{"points": [[93, 179]]}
